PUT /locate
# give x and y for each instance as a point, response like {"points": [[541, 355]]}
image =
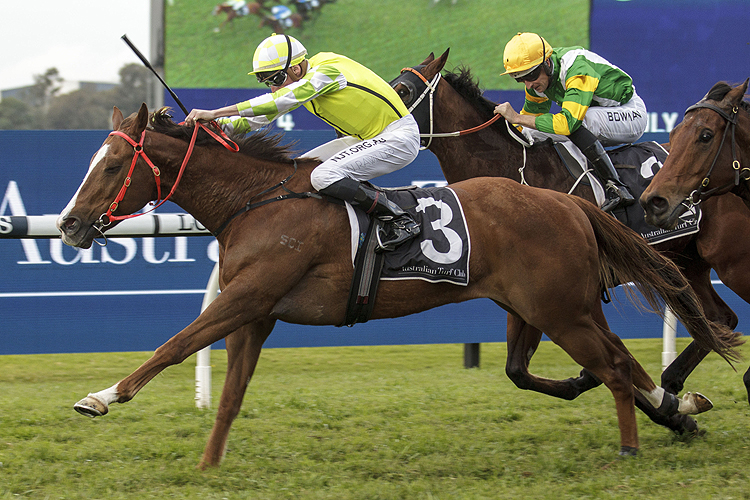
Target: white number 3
{"points": [[454, 240]]}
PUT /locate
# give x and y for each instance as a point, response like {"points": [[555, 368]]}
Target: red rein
{"points": [[138, 148]]}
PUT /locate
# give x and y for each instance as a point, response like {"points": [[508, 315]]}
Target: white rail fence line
{"points": [[157, 225], [148, 225]]}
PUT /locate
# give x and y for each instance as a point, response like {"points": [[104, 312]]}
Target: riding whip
{"points": [[148, 65]]}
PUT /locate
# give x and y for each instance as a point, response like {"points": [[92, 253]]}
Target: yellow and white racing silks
{"points": [[342, 92]]}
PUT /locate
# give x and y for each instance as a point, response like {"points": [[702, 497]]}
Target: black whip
{"points": [[148, 65]]}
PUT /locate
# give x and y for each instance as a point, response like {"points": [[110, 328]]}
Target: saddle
{"points": [[636, 164], [438, 254]]}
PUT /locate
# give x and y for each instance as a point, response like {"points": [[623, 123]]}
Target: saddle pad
{"points": [[440, 253], [636, 164]]}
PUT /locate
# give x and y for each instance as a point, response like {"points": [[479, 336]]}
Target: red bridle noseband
{"points": [[139, 152]]}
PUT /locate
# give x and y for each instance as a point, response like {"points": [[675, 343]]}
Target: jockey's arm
{"points": [[210, 114], [510, 114]]}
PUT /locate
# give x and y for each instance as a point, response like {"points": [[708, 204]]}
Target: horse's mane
{"points": [[463, 83], [262, 144], [719, 91]]}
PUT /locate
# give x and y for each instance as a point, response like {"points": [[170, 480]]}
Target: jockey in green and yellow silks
{"points": [[378, 135], [597, 99]]}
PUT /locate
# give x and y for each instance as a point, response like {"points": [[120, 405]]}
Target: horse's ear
{"points": [[735, 96], [116, 118], [141, 120], [440, 62], [429, 59]]}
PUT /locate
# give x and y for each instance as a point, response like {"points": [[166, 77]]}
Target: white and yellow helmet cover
{"points": [[272, 53]]}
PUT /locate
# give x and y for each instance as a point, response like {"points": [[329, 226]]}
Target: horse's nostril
{"points": [[70, 224]]}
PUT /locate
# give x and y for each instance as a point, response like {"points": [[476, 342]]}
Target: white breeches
{"points": [[394, 148]]}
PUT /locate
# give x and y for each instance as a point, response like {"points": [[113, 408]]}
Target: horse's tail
{"points": [[626, 257]]}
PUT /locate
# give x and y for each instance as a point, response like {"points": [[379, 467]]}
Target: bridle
{"points": [[429, 89], [101, 223], [700, 194]]}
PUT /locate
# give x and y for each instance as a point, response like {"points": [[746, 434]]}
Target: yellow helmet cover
{"points": [[524, 52]]}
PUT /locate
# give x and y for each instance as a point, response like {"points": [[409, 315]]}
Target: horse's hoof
{"points": [[687, 426], [91, 407], [694, 403], [628, 451]]}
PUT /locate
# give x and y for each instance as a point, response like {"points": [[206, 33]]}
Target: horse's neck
{"points": [[216, 183], [494, 153]]}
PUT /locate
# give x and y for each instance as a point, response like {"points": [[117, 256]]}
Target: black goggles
{"points": [[276, 79], [530, 77]]}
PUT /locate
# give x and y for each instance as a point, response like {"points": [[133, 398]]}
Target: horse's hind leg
{"points": [[664, 415], [243, 351], [586, 343], [522, 341]]}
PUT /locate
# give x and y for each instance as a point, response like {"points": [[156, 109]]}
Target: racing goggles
{"points": [[530, 76], [276, 79]]}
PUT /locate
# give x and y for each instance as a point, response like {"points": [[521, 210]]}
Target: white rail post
{"points": [[203, 361], [669, 349]]}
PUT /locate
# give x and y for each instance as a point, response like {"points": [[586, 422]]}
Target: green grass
{"points": [[359, 423], [385, 36]]}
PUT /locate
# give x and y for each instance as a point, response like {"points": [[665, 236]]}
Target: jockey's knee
{"points": [[321, 178]]}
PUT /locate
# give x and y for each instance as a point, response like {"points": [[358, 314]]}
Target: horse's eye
{"points": [[705, 136], [112, 168], [403, 92]]}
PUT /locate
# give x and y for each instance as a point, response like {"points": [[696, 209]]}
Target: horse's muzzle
{"points": [[74, 233]]}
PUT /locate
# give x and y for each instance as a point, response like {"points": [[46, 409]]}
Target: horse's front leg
{"points": [[243, 351], [225, 314], [523, 341], [698, 273]]}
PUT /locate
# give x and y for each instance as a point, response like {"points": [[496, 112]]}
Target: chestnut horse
{"points": [[547, 269], [234, 10], [705, 160], [705, 156], [455, 103]]}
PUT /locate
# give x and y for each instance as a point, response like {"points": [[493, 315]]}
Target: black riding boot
{"points": [[399, 226], [617, 194]]}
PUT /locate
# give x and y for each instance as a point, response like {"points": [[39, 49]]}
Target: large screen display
{"points": [[203, 50]]}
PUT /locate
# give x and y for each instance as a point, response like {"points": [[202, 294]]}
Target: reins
{"points": [[430, 88], [698, 195], [224, 140]]}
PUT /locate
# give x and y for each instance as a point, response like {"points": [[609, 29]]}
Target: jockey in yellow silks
{"points": [[377, 133]]}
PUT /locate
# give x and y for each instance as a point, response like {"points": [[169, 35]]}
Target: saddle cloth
{"points": [[440, 253], [636, 164]]}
